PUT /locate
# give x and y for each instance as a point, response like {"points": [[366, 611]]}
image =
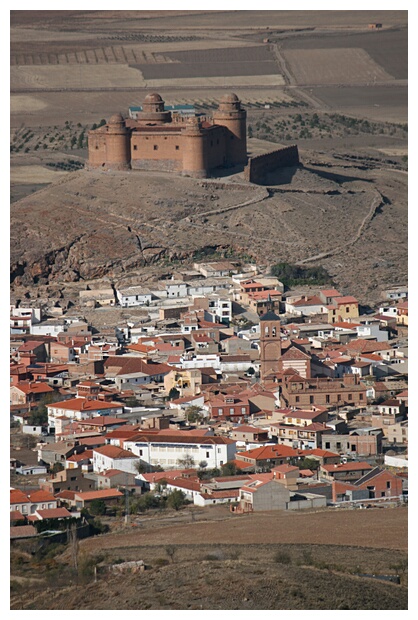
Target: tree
{"points": [[98, 507], [132, 401], [39, 415], [56, 468], [176, 499], [170, 551], [141, 467], [203, 464], [173, 394], [307, 463], [250, 371], [187, 461], [194, 414], [230, 469]]}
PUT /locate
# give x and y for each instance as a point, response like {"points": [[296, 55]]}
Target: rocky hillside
{"points": [[348, 215]]}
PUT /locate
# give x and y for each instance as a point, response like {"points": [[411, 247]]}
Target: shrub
{"points": [[171, 551], [282, 557], [161, 562]]}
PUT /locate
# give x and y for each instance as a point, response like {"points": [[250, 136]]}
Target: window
{"points": [[243, 410], [231, 411], [327, 398], [135, 147], [350, 397], [297, 399], [219, 411], [155, 147], [273, 332], [338, 445], [327, 445], [207, 455], [311, 399], [347, 309], [388, 484], [177, 147]]}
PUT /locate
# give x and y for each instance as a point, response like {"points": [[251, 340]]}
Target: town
{"points": [[209, 310], [232, 389]]}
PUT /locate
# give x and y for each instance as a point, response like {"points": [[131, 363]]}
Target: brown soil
{"points": [[300, 561]]}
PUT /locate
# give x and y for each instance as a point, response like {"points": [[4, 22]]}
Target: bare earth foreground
{"points": [[318, 560]]}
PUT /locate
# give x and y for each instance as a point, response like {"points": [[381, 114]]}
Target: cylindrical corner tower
{"points": [[118, 153], [234, 118], [194, 149]]}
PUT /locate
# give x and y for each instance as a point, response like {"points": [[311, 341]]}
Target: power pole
{"points": [[126, 500]]}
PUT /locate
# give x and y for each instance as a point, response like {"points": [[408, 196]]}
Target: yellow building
{"points": [[343, 308], [187, 381]]}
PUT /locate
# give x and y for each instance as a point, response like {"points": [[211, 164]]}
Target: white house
{"points": [[51, 327], [81, 409], [166, 450], [112, 457], [219, 311], [174, 288], [134, 296]]}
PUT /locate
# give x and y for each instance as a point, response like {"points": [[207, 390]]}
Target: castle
{"points": [[161, 140]]}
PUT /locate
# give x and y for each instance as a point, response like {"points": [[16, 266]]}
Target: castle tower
{"points": [[234, 118], [118, 152], [194, 143], [270, 345], [153, 111]]}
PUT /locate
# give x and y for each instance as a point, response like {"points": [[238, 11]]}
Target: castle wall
{"points": [[261, 165], [216, 146], [97, 149], [157, 152]]}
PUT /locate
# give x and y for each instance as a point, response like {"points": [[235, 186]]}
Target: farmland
{"points": [[296, 564]]}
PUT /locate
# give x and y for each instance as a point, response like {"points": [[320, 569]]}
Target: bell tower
{"points": [[270, 345]]}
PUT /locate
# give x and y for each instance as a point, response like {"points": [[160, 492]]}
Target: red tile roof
{"points": [[353, 466], [114, 452], [23, 531], [101, 494], [34, 387], [18, 497], [269, 452], [41, 496], [65, 495], [84, 404], [54, 513]]}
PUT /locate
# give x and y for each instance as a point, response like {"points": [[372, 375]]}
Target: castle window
{"points": [[177, 147], [155, 147], [97, 148], [266, 331], [273, 332], [135, 147]]}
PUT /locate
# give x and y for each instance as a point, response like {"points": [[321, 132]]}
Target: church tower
{"points": [[270, 345]]}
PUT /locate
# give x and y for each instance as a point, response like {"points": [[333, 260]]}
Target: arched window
{"points": [[266, 331], [273, 332]]}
